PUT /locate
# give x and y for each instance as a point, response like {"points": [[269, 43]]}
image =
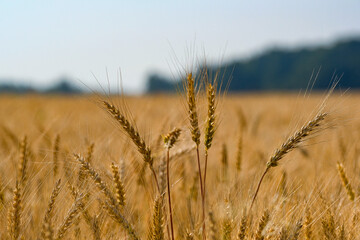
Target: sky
{"points": [[41, 41]]}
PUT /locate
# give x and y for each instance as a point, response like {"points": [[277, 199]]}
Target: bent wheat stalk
{"points": [[134, 135], [291, 143], [169, 140]]}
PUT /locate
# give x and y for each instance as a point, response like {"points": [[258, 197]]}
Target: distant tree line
{"points": [[63, 86], [280, 69]]}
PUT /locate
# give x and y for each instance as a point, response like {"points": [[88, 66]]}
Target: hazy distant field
{"points": [[303, 195]]}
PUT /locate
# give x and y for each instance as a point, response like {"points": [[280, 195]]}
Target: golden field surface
{"points": [[312, 192]]}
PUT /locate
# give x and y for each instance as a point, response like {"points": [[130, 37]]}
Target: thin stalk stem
{"points": [[203, 199], [199, 168], [169, 195], [258, 187], [156, 180], [202, 192]]}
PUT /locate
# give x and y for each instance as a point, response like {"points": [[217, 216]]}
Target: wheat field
{"points": [[100, 167]]}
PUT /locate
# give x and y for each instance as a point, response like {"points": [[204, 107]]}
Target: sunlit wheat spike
{"points": [[262, 224], [193, 116], [296, 230], [171, 138], [295, 140], [345, 181], [119, 218], [158, 221], [102, 186], [119, 187], [227, 229], [291, 143], [111, 204], [70, 217], [47, 228], [131, 132], [329, 226], [92, 222], [150, 232], [210, 120], [14, 215], [243, 227], [162, 175], [307, 225]]}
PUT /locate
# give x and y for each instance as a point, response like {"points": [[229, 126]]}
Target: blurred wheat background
{"points": [[166, 120], [303, 198]]}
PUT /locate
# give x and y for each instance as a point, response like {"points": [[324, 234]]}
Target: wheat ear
{"points": [[47, 228], [131, 132], [195, 134], [328, 226], [111, 204], [209, 135], [210, 120], [134, 135], [226, 229], [262, 224], [158, 221], [307, 225], [193, 116], [345, 181], [92, 222], [70, 217], [243, 227], [291, 143], [15, 214], [119, 187]]}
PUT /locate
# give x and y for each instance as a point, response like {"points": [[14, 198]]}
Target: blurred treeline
{"points": [[283, 69], [63, 86]]}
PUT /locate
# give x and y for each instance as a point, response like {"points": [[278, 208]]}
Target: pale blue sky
{"points": [[42, 40]]}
